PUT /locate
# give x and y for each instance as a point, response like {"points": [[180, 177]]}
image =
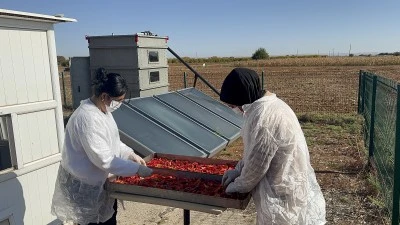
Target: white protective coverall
{"points": [[276, 168], [92, 150]]}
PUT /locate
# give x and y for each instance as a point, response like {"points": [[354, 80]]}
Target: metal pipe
{"points": [[184, 80], [197, 75], [195, 81]]}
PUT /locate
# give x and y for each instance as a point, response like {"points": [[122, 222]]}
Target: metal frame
{"points": [[196, 74]]}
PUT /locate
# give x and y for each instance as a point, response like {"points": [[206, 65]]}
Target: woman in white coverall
{"points": [[92, 151], [275, 166]]}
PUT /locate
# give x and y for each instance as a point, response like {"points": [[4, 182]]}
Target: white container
{"points": [[141, 59]]}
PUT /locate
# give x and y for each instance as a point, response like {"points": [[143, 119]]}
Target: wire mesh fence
{"points": [[306, 90], [378, 103]]}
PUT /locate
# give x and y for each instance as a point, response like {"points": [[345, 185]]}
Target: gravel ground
{"points": [[147, 214]]}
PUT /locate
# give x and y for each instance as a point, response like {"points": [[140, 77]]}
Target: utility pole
{"points": [[333, 52], [350, 49]]}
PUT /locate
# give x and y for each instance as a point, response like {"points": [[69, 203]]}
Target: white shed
{"points": [[31, 118]]}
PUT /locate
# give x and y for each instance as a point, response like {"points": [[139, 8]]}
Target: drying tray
{"points": [[180, 199]]}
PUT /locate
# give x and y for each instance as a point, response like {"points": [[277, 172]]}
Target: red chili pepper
{"points": [[184, 165], [191, 185]]}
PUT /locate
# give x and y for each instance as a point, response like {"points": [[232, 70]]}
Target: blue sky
{"points": [[229, 28]]}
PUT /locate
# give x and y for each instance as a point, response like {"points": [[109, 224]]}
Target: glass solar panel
{"points": [[147, 137], [180, 124], [211, 104], [201, 115]]}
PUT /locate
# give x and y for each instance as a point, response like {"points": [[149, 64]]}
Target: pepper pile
{"points": [[191, 185], [184, 165]]}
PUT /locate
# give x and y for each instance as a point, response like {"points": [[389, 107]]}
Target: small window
{"points": [[5, 153], [153, 57], [154, 76]]}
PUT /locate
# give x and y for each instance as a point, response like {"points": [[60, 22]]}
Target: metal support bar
{"points": [[372, 125], [195, 81], [359, 93], [197, 75], [186, 217], [396, 186], [184, 80]]}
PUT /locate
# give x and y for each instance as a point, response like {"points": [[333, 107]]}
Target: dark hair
{"points": [[111, 83]]}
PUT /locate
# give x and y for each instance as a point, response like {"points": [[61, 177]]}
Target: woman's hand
{"points": [[137, 159], [229, 176]]}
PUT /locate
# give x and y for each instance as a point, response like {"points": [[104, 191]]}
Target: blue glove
{"points": [[230, 189], [144, 171], [229, 176]]}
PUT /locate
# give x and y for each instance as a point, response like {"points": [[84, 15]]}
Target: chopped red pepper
{"points": [[184, 165], [191, 185]]}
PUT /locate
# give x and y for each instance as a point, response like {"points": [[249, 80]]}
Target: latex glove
{"points": [[230, 189], [229, 176], [137, 159], [144, 171]]}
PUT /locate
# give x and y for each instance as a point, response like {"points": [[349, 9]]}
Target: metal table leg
{"points": [[186, 217]]}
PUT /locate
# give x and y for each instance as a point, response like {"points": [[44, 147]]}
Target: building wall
{"points": [[30, 99], [29, 196], [25, 69], [38, 137]]}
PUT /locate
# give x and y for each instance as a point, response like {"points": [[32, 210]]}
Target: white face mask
{"points": [[238, 111], [114, 105]]}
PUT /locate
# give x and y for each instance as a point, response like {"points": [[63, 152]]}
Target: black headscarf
{"points": [[241, 86]]}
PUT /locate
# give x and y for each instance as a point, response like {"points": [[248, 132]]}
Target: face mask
{"points": [[238, 111], [114, 105]]}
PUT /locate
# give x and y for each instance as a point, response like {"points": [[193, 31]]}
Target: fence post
{"points": [[184, 80], [63, 85], [359, 93], [363, 92], [396, 185], [372, 125]]}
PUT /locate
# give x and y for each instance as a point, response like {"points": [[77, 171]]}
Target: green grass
{"points": [[323, 129], [330, 119]]}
